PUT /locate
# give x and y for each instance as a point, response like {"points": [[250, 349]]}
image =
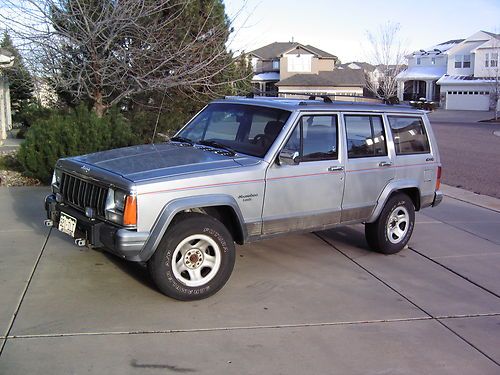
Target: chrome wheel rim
{"points": [[196, 260], [398, 224]]}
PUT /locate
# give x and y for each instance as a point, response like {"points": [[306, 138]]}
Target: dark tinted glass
{"points": [[244, 128], [365, 136], [319, 138], [409, 135]]}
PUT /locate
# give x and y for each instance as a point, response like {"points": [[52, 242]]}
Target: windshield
{"points": [[243, 128]]}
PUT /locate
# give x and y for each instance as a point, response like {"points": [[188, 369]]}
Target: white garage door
{"points": [[468, 100]]}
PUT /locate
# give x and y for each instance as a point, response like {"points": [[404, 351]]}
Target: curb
{"points": [[480, 200]]}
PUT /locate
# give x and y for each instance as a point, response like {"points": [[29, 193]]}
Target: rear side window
{"points": [[365, 136], [409, 135]]}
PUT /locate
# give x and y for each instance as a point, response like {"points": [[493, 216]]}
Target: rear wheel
{"points": [[392, 230], [194, 259]]}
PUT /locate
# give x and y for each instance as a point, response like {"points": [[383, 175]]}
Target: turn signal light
{"points": [[438, 179], [130, 212]]}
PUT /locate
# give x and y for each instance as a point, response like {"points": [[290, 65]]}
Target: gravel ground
{"points": [[14, 178], [470, 154]]}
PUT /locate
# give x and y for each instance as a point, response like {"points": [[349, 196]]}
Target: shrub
{"points": [[68, 134], [31, 113]]}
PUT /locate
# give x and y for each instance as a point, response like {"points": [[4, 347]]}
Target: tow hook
{"points": [[48, 223], [80, 242]]}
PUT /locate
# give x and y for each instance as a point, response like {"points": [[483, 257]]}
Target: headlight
{"points": [[121, 208], [56, 178]]}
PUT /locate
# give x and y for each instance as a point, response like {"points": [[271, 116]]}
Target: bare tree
{"points": [[386, 52], [107, 50]]}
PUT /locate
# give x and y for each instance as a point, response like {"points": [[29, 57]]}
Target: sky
{"points": [[340, 27]]}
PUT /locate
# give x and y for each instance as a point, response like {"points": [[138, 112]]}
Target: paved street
{"points": [[470, 151], [305, 304]]}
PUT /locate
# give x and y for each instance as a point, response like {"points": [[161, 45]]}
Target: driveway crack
{"points": [[23, 294]]}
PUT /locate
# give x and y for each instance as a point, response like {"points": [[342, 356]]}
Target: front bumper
{"points": [[125, 243], [438, 197]]}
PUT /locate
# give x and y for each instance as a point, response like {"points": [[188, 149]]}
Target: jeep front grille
{"points": [[81, 194]]}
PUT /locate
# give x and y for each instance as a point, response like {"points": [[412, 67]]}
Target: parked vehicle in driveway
{"points": [[247, 169]]}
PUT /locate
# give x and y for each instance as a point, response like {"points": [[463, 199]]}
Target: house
{"points": [[425, 68], [472, 79], [374, 75], [292, 67], [460, 74], [6, 60]]}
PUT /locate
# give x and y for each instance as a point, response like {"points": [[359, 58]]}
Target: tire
{"points": [[392, 230], [194, 258]]}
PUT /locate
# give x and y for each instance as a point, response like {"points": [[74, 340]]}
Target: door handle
{"points": [[335, 169], [384, 164], [429, 159]]}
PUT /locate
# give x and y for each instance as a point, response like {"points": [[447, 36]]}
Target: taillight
{"points": [[130, 212], [438, 179]]}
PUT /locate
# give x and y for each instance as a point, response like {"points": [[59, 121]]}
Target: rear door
{"points": [[369, 165]]}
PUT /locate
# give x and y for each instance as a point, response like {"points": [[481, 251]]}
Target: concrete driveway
{"points": [[304, 304]]}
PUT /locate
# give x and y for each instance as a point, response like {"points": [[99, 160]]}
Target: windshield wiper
{"points": [[217, 145], [182, 139]]}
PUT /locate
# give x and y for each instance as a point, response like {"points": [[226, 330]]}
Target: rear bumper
{"points": [[438, 198], [125, 243]]}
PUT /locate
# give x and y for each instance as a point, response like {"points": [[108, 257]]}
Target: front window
{"points": [[243, 128], [299, 63], [466, 63], [276, 65], [315, 138], [458, 61], [419, 60], [494, 60]]}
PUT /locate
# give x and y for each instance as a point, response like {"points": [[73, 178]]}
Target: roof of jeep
{"points": [[292, 104]]}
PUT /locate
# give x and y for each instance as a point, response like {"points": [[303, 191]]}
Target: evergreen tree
{"points": [[20, 79]]}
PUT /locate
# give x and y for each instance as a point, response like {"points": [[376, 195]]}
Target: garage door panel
{"points": [[468, 102]]}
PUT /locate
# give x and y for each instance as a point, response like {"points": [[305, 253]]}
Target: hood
{"points": [[138, 163]]}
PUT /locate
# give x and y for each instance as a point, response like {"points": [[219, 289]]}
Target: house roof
{"points": [[276, 49], [337, 77], [266, 76], [422, 73], [492, 34], [463, 80], [363, 65], [6, 57]]}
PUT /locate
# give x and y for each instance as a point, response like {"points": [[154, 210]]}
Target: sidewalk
{"points": [[11, 143], [304, 304]]}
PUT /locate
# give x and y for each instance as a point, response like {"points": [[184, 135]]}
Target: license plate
{"points": [[67, 224]]}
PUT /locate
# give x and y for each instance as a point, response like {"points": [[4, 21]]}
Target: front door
{"points": [[306, 195], [369, 168]]}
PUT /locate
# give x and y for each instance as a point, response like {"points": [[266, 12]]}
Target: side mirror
{"points": [[287, 157]]}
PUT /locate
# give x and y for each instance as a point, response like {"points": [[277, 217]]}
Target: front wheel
{"points": [[392, 230], [194, 259]]}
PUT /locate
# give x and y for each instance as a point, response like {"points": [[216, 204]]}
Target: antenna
{"points": [[158, 117]]}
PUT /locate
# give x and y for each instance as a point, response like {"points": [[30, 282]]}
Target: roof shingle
{"points": [[337, 77], [276, 49]]}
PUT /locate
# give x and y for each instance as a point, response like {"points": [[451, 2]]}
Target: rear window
{"points": [[409, 135], [365, 136]]}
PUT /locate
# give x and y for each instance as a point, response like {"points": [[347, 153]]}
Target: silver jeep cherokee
{"points": [[246, 169]]}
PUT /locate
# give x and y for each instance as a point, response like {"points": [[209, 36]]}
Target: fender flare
{"points": [[390, 188], [177, 205]]}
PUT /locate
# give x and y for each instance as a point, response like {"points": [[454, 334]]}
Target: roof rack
{"points": [[327, 98]]}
